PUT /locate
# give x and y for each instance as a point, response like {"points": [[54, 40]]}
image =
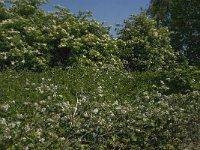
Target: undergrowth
{"points": [[90, 108]]}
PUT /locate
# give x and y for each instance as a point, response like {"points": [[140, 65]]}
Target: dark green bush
{"points": [[181, 80]]}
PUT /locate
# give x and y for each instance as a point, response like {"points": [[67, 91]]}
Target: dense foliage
{"points": [[65, 83], [85, 108], [182, 17], [34, 39], [144, 45]]}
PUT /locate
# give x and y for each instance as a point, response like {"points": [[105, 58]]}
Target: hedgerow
{"points": [[63, 109]]}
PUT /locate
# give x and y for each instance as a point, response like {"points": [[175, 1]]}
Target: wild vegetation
{"points": [[67, 84]]}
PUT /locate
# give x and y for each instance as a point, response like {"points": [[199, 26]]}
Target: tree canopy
{"points": [[183, 18]]}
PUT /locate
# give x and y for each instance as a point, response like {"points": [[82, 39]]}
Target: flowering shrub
{"points": [[144, 45], [34, 39], [155, 121], [94, 105], [87, 108]]}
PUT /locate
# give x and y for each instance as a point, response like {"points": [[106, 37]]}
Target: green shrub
{"points": [[151, 121], [36, 40], [180, 80], [144, 45], [92, 108]]}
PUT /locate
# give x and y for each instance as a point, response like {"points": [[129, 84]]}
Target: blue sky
{"points": [[109, 11]]}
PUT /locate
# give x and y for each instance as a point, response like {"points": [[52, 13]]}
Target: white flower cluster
{"points": [[51, 123]]}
